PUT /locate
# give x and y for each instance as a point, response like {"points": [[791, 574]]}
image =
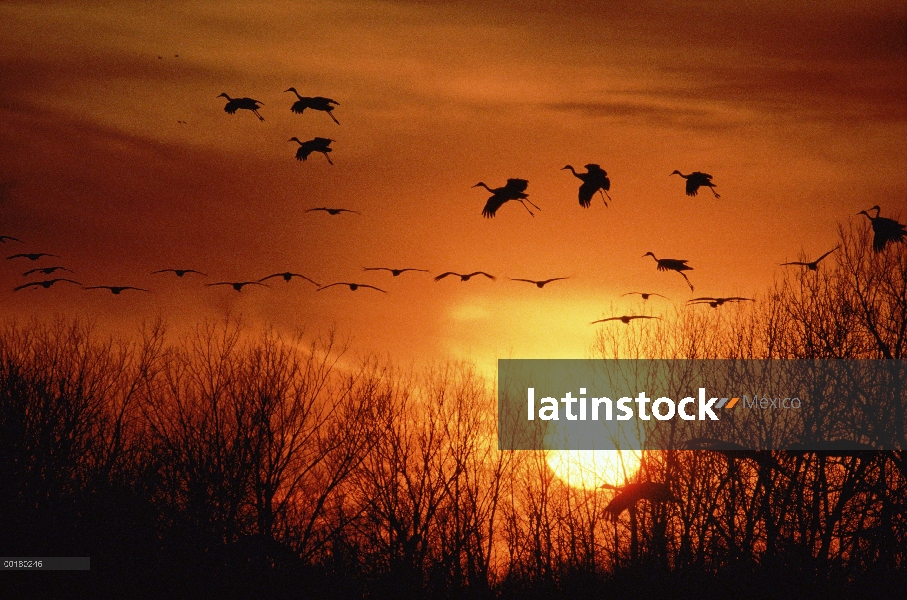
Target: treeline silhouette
{"points": [[230, 463]]}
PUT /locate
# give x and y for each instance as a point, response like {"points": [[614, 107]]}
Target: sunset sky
{"points": [[799, 111]]}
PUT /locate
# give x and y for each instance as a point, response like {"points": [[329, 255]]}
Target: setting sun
{"points": [[590, 469]]}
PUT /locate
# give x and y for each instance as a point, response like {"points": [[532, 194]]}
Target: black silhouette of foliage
{"points": [[230, 463]]}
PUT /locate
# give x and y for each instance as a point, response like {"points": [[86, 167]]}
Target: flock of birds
{"points": [[594, 180], [320, 103], [885, 231]]}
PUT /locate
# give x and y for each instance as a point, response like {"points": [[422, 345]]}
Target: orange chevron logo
{"points": [[724, 403]]}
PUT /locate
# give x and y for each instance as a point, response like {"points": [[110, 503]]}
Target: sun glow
{"points": [[590, 469]]}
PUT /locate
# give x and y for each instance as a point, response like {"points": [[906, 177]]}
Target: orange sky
{"points": [[800, 115]]}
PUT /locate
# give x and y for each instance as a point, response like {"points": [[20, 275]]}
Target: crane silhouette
{"points": [[814, 265], [318, 144], [672, 264], [394, 272], [716, 302], [514, 190], [353, 286], [235, 104], [696, 180], [624, 319], [539, 284], [179, 272], [334, 211], [287, 276], [645, 295], [465, 277], [44, 284], [32, 256], [116, 289], [628, 495], [315, 103], [238, 285], [3, 239], [885, 231], [595, 179], [45, 270]]}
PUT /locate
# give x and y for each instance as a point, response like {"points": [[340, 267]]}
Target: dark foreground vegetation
{"points": [[232, 464]]}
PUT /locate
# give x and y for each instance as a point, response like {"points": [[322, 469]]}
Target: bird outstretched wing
{"points": [[288, 276], [673, 264], [517, 185], [362, 285], [605, 320], [31, 256], [352, 286], [491, 277], [645, 295], [45, 284], [826, 254], [586, 192], [541, 283], [887, 231], [692, 187], [492, 206], [394, 272]]}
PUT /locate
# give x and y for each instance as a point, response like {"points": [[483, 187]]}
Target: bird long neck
{"points": [[681, 174], [572, 170], [295, 92], [481, 183]]}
